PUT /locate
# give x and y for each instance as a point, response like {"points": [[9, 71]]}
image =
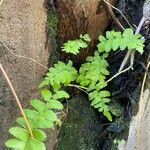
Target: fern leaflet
{"points": [[73, 46], [92, 75], [60, 74], [117, 40]]}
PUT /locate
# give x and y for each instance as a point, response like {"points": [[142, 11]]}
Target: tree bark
{"points": [[22, 31], [77, 17]]}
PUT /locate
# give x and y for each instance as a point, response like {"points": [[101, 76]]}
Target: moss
{"points": [[52, 22], [82, 129], [52, 33]]}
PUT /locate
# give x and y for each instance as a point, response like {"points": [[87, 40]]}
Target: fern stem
{"points": [[17, 99], [117, 74], [82, 88], [109, 7], [128, 54]]}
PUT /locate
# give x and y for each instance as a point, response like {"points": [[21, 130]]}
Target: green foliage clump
{"points": [[100, 100], [117, 40], [60, 74], [73, 46], [91, 77], [23, 141], [41, 116], [93, 73]]}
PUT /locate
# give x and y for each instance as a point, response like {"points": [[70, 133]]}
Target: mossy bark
{"points": [[79, 17], [82, 128]]}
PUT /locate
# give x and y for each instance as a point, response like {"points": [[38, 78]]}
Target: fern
{"points": [[60, 74], [93, 72], [100, 100], [92, 75], [41, 116], [117, 40], [73, 46], [23, 141]]}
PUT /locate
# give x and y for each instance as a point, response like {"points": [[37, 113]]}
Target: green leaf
{"points": [[19, 133], [104, 94], [37, 104], [115, 40], [115, 44], [92, 72], [74, 46], [15, 144], [50, 115], [99, 101], [101, 47], [60, 94], [140, 49], [44, 83], [29, 144], [109, 35], [86, 37], [42, 124], [61, 74], [102, 38], [54, 104], [20, 121], [95, 102], [108, 46], [104, 71], [108, 115], [31, 114], [39, 135], [33, 144], [46, 94], [128, 33]]}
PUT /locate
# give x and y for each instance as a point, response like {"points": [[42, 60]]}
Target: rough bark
{"points": [[82, 128], [22, 29], [77, 17]]}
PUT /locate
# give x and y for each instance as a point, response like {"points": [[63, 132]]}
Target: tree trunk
{"points": [[77, 17], [22, 32]]}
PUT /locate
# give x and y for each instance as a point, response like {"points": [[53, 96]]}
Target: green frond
{"points": [[74, 46], [60, 74], [93, 72], [117, 40]]}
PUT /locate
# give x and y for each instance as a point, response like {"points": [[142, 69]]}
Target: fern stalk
{"points": [[17, 99]]}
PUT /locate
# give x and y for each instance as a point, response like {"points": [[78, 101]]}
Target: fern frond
{"points": [[23, 141], [40, 117], [100, 100], [92, 75], [93, 72], [117, 40], [60, 74], [74, 46]]}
